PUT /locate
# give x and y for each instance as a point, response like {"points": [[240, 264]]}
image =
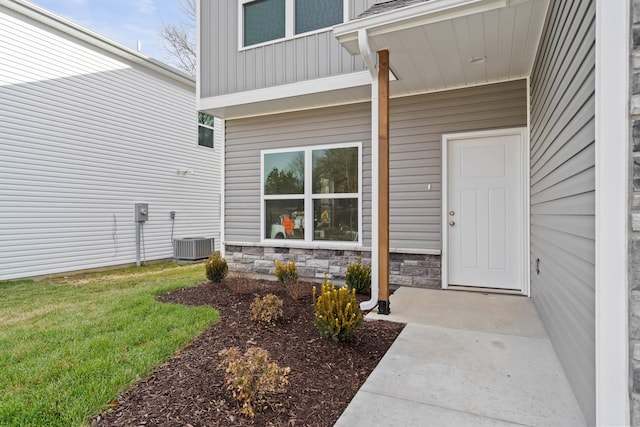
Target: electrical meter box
{"points": [[142, 212]]}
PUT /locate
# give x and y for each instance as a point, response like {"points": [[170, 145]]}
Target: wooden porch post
{"points": [[383, 179]]}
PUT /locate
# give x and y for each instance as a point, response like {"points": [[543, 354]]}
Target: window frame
{"points": [[308, 197], [289, 23], [213, 132]]}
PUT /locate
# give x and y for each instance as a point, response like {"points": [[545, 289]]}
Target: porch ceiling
{"points": [[447, 44]]}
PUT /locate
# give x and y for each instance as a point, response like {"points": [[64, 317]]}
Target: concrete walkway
{"points": [[465, 359]]}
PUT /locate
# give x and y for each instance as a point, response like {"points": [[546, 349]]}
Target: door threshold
{"points": [[487, 290]]}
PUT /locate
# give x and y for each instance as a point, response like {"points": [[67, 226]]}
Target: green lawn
{"points": [[69, 346]]}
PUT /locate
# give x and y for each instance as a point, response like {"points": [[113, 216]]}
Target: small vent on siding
{"points": [[193, 248]]}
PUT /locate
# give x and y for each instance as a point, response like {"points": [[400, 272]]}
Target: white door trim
{"points": [[524, 135], [612, 212]]}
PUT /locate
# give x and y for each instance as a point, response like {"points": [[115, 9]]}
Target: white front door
{"points": [[484, 220]]}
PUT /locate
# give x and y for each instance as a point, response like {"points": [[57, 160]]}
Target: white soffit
{"points": [[447, 44]]}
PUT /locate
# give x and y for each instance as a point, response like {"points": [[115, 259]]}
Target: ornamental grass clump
{"points": [[338, 314], [267, 309], [216, 267], [358, 276], [252, 378]]}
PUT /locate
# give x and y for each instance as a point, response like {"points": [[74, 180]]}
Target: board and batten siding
{"points": [[226, 69], [563, 191], [84, 135], [417, 125]]}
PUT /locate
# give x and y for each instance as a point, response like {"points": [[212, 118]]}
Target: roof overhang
{"points": [[305, 95], [446, 44]]}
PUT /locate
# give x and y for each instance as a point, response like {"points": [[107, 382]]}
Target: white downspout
{"points": [[365, 51]]}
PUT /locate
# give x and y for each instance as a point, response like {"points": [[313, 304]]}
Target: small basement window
{"points": [[205, 130]]}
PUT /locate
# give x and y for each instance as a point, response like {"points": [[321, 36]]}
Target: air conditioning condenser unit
{"points": [[193, 248]]}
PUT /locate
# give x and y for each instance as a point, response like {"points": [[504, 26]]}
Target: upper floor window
{"points": [[205, 130], [267, 20], [315, 14], [263, 21]]}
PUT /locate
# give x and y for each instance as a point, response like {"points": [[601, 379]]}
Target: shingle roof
{"points": [[386, 6]]}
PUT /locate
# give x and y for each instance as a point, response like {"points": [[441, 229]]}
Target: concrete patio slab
{"points": [[477, 311], [473, 359], [373, 409]]}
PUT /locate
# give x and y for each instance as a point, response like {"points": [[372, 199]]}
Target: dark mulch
{"points": [[188, 390]]}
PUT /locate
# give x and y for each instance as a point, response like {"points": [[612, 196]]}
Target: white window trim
{"points": [[309, 197], [289, 22]]}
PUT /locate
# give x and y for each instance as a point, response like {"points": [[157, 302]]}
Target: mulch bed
{"points": [[189, 390]]}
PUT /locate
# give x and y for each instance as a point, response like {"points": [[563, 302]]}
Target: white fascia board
{"points": [[292, 90], [409, 17], [81, 33]]}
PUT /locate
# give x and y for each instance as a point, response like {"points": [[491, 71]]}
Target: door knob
{"points": [[452, 223], [451, 213]]}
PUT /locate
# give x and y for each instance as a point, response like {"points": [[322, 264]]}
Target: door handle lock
{"points": [[452, 223], [451, 213]]}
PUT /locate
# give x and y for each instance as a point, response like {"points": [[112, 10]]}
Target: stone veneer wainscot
{"points": [[406, 269]]}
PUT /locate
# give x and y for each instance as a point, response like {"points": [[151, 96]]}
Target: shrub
{"points": [[241, 283], [216, 267], [358, 277], [267, 309], [338, 314], [286, 273], [253, 379]]}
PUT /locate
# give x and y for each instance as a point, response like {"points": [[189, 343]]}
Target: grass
{"points": [[69, 346]]}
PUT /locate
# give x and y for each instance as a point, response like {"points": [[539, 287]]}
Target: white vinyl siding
{"points": [[417, 124], [563, 191], [84, 135]]}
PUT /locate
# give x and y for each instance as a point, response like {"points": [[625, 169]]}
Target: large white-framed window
{"points": [[312, 194], [266, 21]]}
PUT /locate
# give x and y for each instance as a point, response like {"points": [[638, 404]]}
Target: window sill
{"points": [[285, 39], [330, 246], [283, 243]]}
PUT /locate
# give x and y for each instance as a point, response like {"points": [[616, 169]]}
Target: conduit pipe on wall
{"points": [[365, 52]]}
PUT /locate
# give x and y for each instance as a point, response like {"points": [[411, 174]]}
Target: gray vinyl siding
{"points": [[563, 191], [85, 134], [417, 125], [245, 138], [226, 69]]}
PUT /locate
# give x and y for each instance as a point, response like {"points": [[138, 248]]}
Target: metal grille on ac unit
{"points": [[193, 248]]}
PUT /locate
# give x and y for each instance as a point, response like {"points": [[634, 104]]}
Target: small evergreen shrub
{"points": [[267, 309], [358, 277], [216, 267], [337, 313], [252, 378], [287, 274]]}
